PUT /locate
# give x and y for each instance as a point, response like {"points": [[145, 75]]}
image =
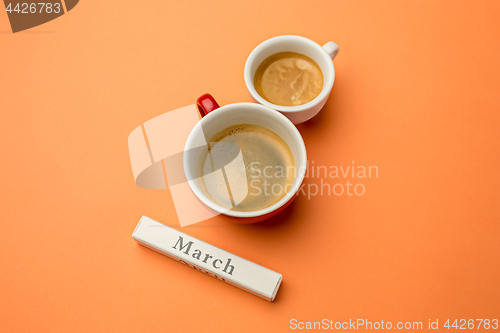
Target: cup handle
{"points": [[206, 104], [332, 49]]}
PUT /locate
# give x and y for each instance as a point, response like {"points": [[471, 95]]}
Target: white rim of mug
{"points": [[327, 86], [301, 170]]}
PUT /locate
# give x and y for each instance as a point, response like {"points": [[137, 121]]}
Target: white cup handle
{"points": [[332, 49]]}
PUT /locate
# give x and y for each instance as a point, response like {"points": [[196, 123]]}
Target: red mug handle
{"points": [[206, 104]]}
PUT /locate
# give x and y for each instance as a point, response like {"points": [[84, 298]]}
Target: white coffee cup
{"points": [[214, 119], [323, 55]]}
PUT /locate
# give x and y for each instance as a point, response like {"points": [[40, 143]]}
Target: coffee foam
{"points": [[268, 164], [288, 79]]}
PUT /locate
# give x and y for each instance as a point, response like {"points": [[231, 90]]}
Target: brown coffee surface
{"points": [[269, 169], [288, 79]]}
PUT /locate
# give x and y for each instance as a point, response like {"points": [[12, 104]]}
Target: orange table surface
{"points": [[416, 95]]}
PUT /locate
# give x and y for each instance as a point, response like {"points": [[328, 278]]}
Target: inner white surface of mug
{"points": [[242, 113], [296, 44]]}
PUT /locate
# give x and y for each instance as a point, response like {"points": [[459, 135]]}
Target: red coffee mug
{"points": [[216, 118]]}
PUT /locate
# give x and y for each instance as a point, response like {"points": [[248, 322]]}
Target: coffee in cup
{"points": [[214, 121], [288, 79], [267, 163], [271, 48]]}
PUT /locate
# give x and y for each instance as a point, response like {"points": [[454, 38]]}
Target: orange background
{"points": [[416, 94]]}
